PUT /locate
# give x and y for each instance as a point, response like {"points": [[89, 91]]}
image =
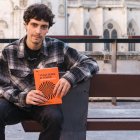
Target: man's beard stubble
{"points": [[37, 42]]}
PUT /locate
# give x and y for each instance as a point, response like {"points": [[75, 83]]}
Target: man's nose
{"points": [[38, 30]]}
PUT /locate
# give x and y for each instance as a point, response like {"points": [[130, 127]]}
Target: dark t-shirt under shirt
{"points": [[32, 53]]}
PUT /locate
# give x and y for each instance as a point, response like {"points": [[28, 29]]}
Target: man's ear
{"points": [[25, 25]]}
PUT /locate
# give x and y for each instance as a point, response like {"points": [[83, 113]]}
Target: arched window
{"points": [[130, 31], [114, 34], [85, 31], [88, 31], [109, 32], [106, 45]]}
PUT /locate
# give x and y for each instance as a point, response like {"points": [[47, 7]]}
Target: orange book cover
{"points": [[45, 81]]}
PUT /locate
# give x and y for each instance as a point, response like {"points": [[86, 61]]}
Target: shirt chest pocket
{"points": [[52, 61], [60, 66], [50, 65], [19, 73], [22, 80]]}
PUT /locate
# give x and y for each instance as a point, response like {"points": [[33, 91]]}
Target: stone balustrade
{"points": [[106, 3]]}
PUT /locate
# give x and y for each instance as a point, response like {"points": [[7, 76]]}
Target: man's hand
{"points": [[61, 87], [35, 97]]}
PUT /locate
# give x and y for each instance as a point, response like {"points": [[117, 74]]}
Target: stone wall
{"points": [[127, 62]]}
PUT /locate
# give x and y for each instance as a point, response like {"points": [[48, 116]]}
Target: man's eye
{"points": [[34, 25], [44, 27]]}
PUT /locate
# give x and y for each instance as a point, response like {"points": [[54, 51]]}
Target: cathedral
{"points": [[103, 18]]}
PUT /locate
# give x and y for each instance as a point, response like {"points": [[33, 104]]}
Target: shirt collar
{"points": [[44, 49]]}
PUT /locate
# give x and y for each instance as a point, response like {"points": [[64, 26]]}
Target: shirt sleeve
{"points": [[80, 67], [7, 91]]}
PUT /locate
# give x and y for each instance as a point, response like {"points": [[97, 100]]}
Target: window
{"points": [[88, 31], [114, 34], [130, 31], [109, 32], [106, 45]]}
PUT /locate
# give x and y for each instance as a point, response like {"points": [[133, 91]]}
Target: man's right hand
{"points": [[35, 97]]}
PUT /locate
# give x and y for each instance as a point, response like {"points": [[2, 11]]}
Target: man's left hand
{"points": [[62, 87]]}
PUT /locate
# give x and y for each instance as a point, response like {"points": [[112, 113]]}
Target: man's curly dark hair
{"points": [[39, 12]]}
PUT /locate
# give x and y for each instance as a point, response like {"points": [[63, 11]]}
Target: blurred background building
{"points": [[104, 18]]}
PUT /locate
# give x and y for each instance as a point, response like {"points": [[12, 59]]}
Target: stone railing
{"points": [[91, 3], [106, 3], [74, 3], [77, 3], [133, 0], [109, 2], [132, 3], [103, 55]]}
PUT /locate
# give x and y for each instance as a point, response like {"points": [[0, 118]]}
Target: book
{"points": [[45, 81]]}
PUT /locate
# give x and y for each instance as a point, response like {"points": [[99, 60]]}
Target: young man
{"points": [[19, 99]]}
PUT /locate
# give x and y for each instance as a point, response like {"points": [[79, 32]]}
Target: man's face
{"points": [[36, 31]]}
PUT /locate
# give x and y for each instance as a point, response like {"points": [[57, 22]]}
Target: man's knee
{"points": [[56, 116], [53, 116]]}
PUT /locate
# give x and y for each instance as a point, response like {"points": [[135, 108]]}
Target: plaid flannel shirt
{"points": [[16, 67]]}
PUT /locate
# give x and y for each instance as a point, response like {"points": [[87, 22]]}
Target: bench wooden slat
{"points": [[115, 85], [31, 126], [92, 124], [113, 124]]}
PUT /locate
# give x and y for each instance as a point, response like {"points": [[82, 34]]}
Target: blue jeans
{"points": [[49, 116]]}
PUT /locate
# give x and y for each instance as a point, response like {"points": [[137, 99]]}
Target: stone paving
{"points": [[16, 132], [123, 109]]}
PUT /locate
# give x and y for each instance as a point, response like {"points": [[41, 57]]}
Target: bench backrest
{"points": [[115, 85]]}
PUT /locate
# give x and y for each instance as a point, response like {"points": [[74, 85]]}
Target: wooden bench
{"points": [[101, 85], [114, 85]]}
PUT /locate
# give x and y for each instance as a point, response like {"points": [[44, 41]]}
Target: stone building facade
{"points": [[107, 19], [104, 18]]}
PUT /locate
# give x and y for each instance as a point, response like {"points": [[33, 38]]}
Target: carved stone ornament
{"points": [[49, 5], [61, 10], [16, 8], [23, 3], [3, 24]]}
